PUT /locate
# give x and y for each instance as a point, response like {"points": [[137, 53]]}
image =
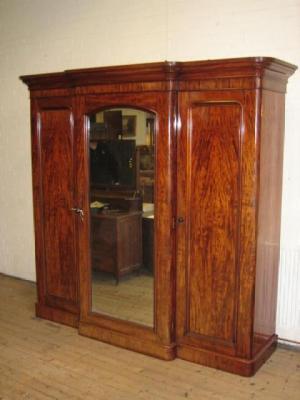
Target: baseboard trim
{"points": [[288, 344]]}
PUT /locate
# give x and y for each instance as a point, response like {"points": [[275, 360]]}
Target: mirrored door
{"points": [[122, 213]]}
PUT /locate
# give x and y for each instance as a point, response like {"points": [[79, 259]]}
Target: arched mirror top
{"points": [[122, 106]]}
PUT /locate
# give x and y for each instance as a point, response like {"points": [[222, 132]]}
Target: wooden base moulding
{"points": [[239, 366], [56, 315], [155, 349]]}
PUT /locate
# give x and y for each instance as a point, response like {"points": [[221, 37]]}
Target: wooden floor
{"points": [[43, 360]]}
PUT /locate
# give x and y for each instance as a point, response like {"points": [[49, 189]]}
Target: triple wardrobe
{"points": [[157, 200]]}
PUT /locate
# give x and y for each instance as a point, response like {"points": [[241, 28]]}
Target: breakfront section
{"points": [[157, 197]]}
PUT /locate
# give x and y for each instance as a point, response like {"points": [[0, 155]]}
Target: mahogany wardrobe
{"points": [[157, 200]]}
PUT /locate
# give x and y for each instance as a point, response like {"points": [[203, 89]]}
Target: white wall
{"points": [[141, 128], [39, 36]]}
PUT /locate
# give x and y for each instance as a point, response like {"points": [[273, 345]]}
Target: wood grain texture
{"points": [[236, 322], [57, 166], [278, 72], [217, 190], [213, 190], [41, 360], [161, 333], [269, 215], [53, 189], [248, 192], [57, 314], [236, 365], [209, 200]]}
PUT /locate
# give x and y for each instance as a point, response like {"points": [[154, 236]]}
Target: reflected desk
{"points": [[116, 242]]}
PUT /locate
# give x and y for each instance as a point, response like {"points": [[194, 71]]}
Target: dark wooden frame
{"points": [[257, 84]]}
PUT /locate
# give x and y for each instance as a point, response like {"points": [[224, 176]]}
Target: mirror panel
{"points": [[122, 213]]}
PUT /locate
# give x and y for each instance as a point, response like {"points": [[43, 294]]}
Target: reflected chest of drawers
{"points": [[116, 242]]}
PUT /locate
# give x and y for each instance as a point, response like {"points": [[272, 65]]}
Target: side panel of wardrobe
{"points": [[53, 181]]}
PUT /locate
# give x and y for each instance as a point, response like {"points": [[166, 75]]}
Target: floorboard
{"points": [[41, 360]]}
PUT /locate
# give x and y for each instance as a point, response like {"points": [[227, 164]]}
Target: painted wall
{"points": [[38, 36], [141, 124]]}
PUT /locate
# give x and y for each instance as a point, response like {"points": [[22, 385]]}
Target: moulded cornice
{"points": [[163, 71]]}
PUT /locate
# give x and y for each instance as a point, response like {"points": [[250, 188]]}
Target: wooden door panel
{"points": [[58, 194], [209, 179], [213, 219]]}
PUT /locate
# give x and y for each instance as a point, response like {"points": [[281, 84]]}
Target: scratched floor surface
{"points": [[43, 360]]}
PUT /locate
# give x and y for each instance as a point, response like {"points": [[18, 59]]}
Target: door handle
{"points": [[180, 220], [78, 211]]}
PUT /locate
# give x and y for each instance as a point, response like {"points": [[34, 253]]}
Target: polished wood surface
{"points": [[53, 182], [208, 191], [244, 351], [41, 360], [235, 73], [158, 340], [218, 156], [269, 197], [56, 139]]}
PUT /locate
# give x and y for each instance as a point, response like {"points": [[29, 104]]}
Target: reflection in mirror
{"points": [[121, 142]]}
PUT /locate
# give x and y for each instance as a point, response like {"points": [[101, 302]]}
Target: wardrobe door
{"points": [[208, 227], [126, 239], [53, 181]]}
